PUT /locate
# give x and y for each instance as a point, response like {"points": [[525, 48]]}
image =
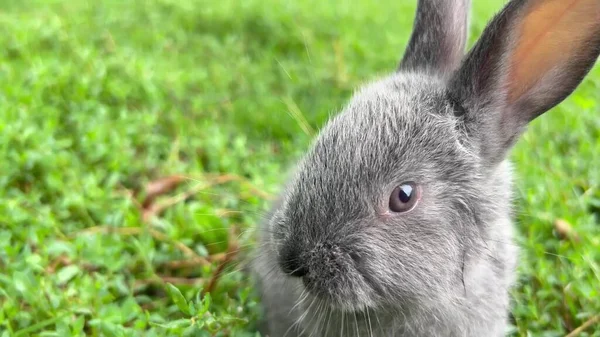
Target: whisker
{"points": [[317, 325], [328, 320], [369, 321], [356, 323], [300, 300], [342, 324], [379, 322]]}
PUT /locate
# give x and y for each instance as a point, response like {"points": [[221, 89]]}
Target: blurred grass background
{"points": [[104, 105]]}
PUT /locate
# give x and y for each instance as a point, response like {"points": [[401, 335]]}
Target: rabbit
{"points": [[398, 219]]}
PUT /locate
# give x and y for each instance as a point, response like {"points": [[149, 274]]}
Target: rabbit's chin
{"points": [[312, 301], [354, 296]]}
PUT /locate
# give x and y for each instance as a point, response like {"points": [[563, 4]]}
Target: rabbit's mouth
{"points": [[352, 298], [338, 279]]}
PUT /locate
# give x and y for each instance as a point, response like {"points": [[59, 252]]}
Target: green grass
{"points": [[99, 98]]}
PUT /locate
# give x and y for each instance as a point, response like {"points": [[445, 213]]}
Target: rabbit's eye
{"points": [[404, 197]]}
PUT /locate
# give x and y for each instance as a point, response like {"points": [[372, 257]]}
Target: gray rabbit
{"points": [[397, 222]]}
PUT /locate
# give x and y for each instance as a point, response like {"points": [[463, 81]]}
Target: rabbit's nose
{"points": [[291, 263]]}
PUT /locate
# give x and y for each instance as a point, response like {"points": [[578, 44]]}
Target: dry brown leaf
{"points": [[160, 186], [565, 230]]}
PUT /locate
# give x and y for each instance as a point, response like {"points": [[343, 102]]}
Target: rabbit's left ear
{"points": [[439, 36], [531, 56]]}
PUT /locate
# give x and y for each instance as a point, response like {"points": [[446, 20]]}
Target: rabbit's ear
{"points": [[531, 57], [439, 36]]}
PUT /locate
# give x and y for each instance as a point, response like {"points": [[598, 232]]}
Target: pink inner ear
{"points": [[548, 36]]}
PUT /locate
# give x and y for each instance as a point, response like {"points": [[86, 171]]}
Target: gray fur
{"points": [[444, 268], [439, 23], [479, 83]]}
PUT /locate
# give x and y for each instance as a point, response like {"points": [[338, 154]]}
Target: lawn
{"points": [[141, 142]]}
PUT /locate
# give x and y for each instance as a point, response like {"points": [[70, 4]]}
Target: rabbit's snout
{"points": [[291, 262], [324, 263]]}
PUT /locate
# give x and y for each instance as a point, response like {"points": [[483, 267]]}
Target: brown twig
{"points": [[223, 212], [191, 263], [232, 251], [149, 208], [591, 321], [63, 260], [162, 280], [234, 177], [152, 210], [188, 252], [565, 312]]}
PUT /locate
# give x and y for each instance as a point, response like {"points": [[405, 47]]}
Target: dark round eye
{"points": [[404, 197]]}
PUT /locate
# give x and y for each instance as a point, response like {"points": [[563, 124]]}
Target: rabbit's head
{"points": [[411, 178]]}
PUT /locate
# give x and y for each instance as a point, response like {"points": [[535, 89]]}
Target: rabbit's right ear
{"points": [[531, 56], [439, 36]]}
